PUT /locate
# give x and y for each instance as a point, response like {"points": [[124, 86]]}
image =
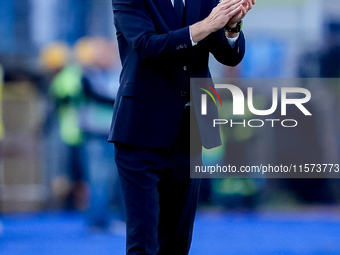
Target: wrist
{"points": [[231, 34], [232, 25], [236, 29], [199, 31]]}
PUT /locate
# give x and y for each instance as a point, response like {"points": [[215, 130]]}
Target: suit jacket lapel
{"points": [[168, 12], [192, 10]]}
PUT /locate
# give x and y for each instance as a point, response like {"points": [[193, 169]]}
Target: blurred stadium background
{"points": [[44, 192]]}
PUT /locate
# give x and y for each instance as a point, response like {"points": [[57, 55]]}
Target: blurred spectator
{"points": [[66, 92], [1, 135], [325, 64], [238, 193], [298, 146], [1, 123], [330, 55], [101, 66]]}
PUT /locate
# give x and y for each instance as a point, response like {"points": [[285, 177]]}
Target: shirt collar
{"points": [[172, 1]]}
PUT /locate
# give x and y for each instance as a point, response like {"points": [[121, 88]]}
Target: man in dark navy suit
{"points": [[162, 44]]}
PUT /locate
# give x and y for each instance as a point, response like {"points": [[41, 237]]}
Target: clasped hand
{"points": [[229, 12]]}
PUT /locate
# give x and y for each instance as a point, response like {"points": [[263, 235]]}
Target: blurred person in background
{"points": [[330, 54], [163, 44], [100, 78], [324, 63], [64, 153], [1, 136]]}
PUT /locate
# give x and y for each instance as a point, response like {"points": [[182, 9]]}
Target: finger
{"points": [[227, 1], [241, 12], [231, 9], [233, 6], [244, 12], [227, 7], [224, 15], [233, 13], [246, 3], [240, 15], [227, 4], [249, 5]]}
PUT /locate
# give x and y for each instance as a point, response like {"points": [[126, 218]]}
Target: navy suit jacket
{"points": [[158, 60]]}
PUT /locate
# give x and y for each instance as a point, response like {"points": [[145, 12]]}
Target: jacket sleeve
{"points": [[223, 52], [136, 25]]}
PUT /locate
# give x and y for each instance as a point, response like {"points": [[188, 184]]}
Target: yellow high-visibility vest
{"points": [[67, 85]]}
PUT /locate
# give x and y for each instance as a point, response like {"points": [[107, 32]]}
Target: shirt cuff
{"points": [[192, 42], [232, 41]]}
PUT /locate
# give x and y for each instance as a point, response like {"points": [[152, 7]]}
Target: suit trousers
{"points": [[159, 195]]}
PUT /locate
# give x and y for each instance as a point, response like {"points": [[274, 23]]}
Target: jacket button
{"points": [[183, 93], [185, 68]]}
